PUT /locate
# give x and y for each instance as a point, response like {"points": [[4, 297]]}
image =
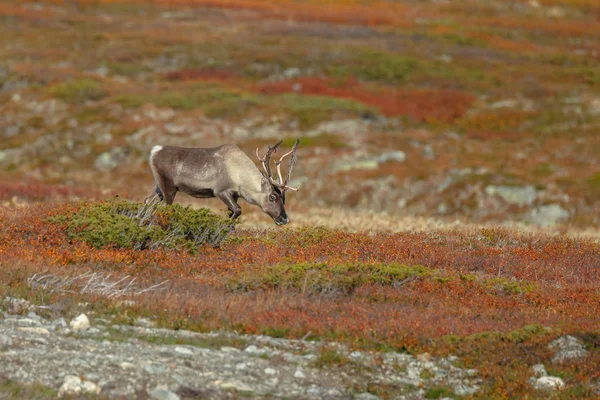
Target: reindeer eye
{"points": [[272, 197]]}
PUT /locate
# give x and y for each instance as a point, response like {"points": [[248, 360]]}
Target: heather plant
{"points": [[123, 224]]}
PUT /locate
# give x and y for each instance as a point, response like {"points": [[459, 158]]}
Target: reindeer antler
{"points": [[266, 161], [282, 184], [293, 160]]}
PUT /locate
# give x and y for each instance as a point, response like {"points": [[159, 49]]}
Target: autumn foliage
{"points": [[384, 288]]}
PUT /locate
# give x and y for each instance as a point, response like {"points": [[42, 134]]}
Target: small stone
{"points": [[241, 366], [291, 73], [5, 342], [365, 164], [184, 350], [314, 391], [110, 160], [237, 386], [154, 369], [33, 316], [550, 214], [163, 393], [59, 323], [299, 375], [520, 196], [396, 156], [38, 331], [548, 382], [366, 396], [81, 323], [463, 390], [127, 365], [252, 349], [428, 152], [73, 385], [227, 349], [356, 354], [510, 103], [144, 322], [28, 322], [270, 371], [539, 370]]}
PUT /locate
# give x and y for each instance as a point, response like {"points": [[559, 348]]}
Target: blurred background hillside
{"points": [[478, 110]]}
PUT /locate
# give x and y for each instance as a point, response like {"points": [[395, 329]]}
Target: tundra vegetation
{"points": [[476, 112]]}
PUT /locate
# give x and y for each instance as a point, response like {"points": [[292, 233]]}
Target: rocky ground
{"points": [[102, 358], [420, 120], [117, 361]]}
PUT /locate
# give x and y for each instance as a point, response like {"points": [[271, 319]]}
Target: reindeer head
{"points": [[272, 200]]}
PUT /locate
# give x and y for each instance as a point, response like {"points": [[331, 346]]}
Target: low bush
{"points": [[324, 279], [123, 224], [78, 90]]}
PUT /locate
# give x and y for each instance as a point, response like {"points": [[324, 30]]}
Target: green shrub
{"points": [[216, 101], [439, 392], [78, 90], [594, 183], [323, 279], [310, 110], [122, 224], [377, 66]]}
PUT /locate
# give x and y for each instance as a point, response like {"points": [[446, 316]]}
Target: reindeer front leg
{"points": [[230, 199]]}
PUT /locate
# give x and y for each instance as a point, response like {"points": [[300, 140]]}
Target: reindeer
{"points": [[225, 172]]}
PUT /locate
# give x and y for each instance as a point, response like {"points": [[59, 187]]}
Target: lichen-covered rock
{"points": [[520, 196], [81, 323], [568, 348], [548, 215], [40, 351], [73, 385], [548, 383]]}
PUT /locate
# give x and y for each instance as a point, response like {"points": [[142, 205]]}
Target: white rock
{"points": [[549, 214], [521, 196], [238, 386], [397, 156], [127, 365], [73, 385], [548, 382], [251, 349], [81, 323], [539, 370], [366, 396], [241, 366], [163, 393], [292, 72], [59, 323], [38, 331], [228, 349], [509, 103], [28, 322], [5, 341], [270, 371], [569, 348], [184, 350], [299, 375]]}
